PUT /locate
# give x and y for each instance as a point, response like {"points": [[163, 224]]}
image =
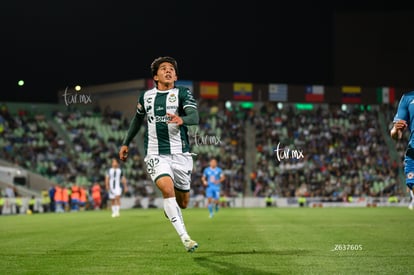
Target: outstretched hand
{"points": [[123, 153], [398, 129], [173, 118]]}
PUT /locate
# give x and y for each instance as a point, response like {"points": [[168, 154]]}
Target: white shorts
{"points": [[178, 166], [114, 192]]}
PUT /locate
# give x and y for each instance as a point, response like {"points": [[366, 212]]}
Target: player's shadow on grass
{"points": [[254, 252], [217, 263]]}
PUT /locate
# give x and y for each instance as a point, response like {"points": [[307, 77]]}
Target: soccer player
{"points": [[113, 180], [212, 178], [403, 119], [169, 110], [411, 204]]}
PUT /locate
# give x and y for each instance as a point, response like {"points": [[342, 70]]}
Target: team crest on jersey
{"points": [[410, 175], [172, 98]]}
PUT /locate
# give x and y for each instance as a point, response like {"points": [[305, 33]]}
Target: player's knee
{"points": [[183, 204]]}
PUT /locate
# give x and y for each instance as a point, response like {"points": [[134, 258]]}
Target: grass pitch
{"points": [[235, 241]]}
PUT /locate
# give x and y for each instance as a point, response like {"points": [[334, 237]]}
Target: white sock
{"points": [[173, 212], [113, 209]]}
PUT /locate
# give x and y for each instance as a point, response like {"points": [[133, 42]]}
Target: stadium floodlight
{"points": [[280, 105]]}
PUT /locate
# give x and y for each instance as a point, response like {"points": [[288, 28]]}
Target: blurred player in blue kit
{"points": [[212, 178], [403, 119]]}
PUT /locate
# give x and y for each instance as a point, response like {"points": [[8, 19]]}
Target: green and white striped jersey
{"points": [[162, 138]]}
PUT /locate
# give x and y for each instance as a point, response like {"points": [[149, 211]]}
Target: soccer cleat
{"points": [[410, 207], [190, 245]]}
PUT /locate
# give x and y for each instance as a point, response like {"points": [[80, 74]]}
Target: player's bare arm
{"points": [[107, 183], [124, 183], [204, 180]]}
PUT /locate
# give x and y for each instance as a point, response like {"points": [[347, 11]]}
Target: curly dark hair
{"points": [[156, 64]]}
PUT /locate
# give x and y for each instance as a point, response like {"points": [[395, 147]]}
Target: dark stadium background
{"points": [[54, 44]]}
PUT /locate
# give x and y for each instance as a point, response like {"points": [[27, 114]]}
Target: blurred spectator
{"points": [[96, 195]]}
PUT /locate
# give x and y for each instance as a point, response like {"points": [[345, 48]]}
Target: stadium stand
{"points": [[344, 153], [339, 153]]}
